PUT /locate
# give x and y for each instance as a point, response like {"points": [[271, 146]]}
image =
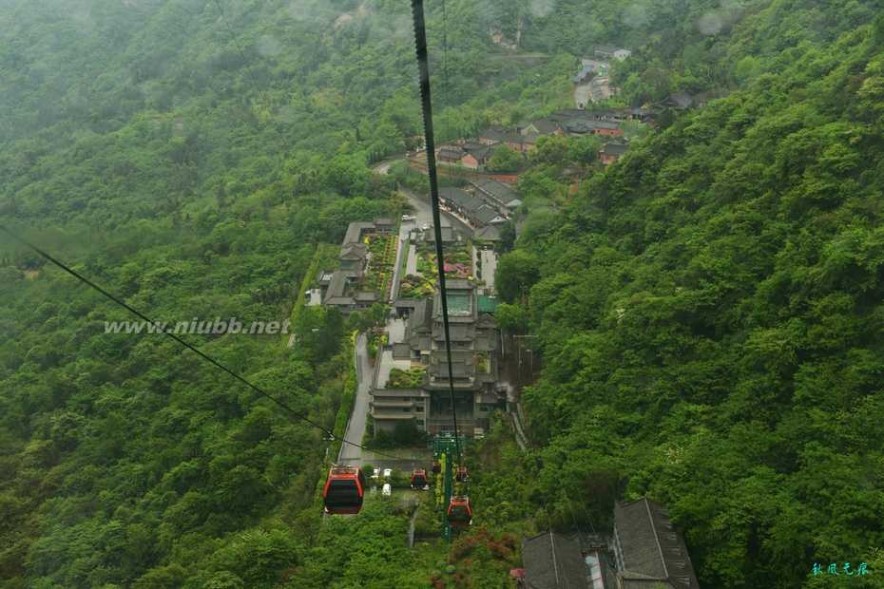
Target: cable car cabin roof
{"points": [[347, 472], [459, 510], [419, 477], [344, 490]]}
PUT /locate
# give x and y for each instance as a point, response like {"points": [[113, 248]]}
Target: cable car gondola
{"points": [[418, 478], [437, 467], [460, 513], [461, 476], [344, 490]]}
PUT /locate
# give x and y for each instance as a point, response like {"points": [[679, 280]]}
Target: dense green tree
{"points": [[707, 310], [516, 273], [504, 159], [700, 306]]}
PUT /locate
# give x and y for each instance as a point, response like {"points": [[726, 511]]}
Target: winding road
{"points": [[355, 431]]}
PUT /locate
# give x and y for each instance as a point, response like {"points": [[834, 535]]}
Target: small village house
{"points": [[611, 152]]}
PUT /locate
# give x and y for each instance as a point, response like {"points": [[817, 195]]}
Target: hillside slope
{"points": [[711, 320]]}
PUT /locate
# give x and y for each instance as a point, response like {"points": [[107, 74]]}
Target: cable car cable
{"points": [[188, 345], [444, 53], [420, 39]]}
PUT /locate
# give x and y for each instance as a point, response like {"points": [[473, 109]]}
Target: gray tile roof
{"points": [[353, 251], [650, 546], [490, 233], [496, 190], [354, 232], [458, 284], [485, 215], [460, 369], [580, 125], [614, 148], [458, 333], [478, 150], [455, 196], [545, 126], [449, 235], [553, 561], [336, 286], [340, 301], [449, 152], [474, 205]]}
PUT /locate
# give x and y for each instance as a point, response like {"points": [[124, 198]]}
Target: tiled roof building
{"points": [[649, 552]]}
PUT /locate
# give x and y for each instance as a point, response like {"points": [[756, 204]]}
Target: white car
{"points": [[387, 490], [388, 472]]}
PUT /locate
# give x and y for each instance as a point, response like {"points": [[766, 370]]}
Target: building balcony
{"points": [[442, 383], [392, 403], [394, 415]]}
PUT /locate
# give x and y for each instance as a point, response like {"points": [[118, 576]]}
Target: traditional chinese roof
{"points": [[498, 191], [354, 232], [477, 150], [614, 149], [450, 152], [652, 550], [489, 233], [545, 126], [455, 196], [553, 561], [487, 215]]}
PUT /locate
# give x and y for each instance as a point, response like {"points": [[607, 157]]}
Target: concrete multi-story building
{"points": [[417, 351]]}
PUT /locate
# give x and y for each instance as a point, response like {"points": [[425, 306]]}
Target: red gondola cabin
{"points": [[460, 513], [344, 490], [418, 478]]}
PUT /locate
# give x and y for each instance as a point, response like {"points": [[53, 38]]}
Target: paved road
{"points": [[383, 167], [489, 267], [356, 426], [424, 214]]}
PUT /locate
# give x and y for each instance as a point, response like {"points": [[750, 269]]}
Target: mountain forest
{"points": [[707, 312]]}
